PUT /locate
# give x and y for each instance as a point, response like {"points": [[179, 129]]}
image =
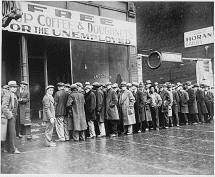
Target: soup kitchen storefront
{"points": [[50, 44]]}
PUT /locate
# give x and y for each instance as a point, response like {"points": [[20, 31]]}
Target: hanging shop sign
{"points": [[199, 37], [173, 57], [51, 21]]}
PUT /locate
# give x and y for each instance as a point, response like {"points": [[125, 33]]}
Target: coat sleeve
{"points": [[100, 98], [177, 97], [159, 100], [92, 102], [186, 97], [191, 96], [141, 99], [5, 106], [131, 99], [114, 99], [47, 106], [25, 98], [56, 100]]}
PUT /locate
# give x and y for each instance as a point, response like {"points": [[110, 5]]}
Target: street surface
{"points": [[184, 150]]}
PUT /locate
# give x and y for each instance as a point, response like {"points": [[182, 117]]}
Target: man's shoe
{"points": [[139, 131], [60, 140], [100, 136], [129, 133], [90, 137], [113, 135], [16, 152], [195, 123]]}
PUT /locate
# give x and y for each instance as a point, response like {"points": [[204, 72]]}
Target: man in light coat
{"points": [[112, 114], [126, 105], [49, 115], [10, 110], [61, 124]]}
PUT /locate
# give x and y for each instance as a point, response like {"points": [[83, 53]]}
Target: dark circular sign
{"points": [[154, 60]]}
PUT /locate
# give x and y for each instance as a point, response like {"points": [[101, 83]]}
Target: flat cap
{"points": [[195, 85], [141, 85], [135, 84], [128, 84], [148, 81], [87, 83], [5, 87], [123, 84], [115, 85], [12, 84], [67, 85], [160, 85], [60, 84], [96, 84], [79, 84], [188, 83], [156, 83], [169, 86], [24, 83], [73, 86], [49, 86], [108, 83], [202, 85]]}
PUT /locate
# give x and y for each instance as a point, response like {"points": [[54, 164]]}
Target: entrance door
{"points": [[37, 85]]}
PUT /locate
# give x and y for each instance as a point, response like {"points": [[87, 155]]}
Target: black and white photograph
{"points": [[107, 87]]}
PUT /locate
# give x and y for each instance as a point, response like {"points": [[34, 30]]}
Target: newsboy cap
{"points": [[129, 85], [135, 84], [148, 81], [24, 83], [188, 83], [88, 87], [115, 85], [67, 85], [87, 83], [123, 84], [60, 84], [108, 83], [96, 84], [73, 86], [195, 85], [49, 86], [12, 84], [79, 84], [5, 87]]}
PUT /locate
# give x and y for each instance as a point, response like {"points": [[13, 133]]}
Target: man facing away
{"points": [[60, 112]]}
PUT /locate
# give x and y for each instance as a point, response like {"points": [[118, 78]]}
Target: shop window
{"points": [[113, 14], [83, 8], [113, 4]]}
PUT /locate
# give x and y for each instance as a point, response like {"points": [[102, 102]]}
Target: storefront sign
{"points": [[173, 57], [56, 22], [199, 37]]}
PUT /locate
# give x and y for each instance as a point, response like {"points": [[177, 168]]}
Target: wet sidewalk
{"points": [[184, 150]]}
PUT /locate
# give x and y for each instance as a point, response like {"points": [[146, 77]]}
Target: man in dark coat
{"points": [[90, 110], [138, 107], [209, 100], [9, 109], [112, 114], [60, 112], [192, 104], [23, 99], [202, 109], [49, 115], [77, 119], [164, 107], [100, 109], [175, 106]]}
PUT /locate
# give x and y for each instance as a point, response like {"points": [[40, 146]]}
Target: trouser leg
{"points": [[91, 128], [130, 129], [75, 135], [170, 121], [175, 114], [18, 128], [102, 128], [82, 135], [185, 117], [165, 119], [48, 133], [59, 124], [114, 126], [65, 126], [11, 134]]}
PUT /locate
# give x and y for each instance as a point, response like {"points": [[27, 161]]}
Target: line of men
{"points": [[100, 110]]}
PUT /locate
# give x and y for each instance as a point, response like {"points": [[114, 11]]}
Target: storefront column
{"points": [[25, 121], [133, 65], [71, 63]]}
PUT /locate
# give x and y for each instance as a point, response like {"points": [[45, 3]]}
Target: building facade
{"points": [[161, 26], [68, 41]]}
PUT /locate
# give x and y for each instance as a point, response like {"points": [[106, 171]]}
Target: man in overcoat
{"points": [[175, 106], [10, 109], [61, 125], [209, 100], [202, 109], [90, 110], [76, 118], [23, 98], [112, 114], [126, 104], [49, 115], [192, 104], [138, 107], [100, 109]]}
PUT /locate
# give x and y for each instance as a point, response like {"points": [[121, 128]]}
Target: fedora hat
{"points": [[60, 84], [49, 86], [73, 86], [12, 84], [5, 87], [24, 83], [123, 84]]}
